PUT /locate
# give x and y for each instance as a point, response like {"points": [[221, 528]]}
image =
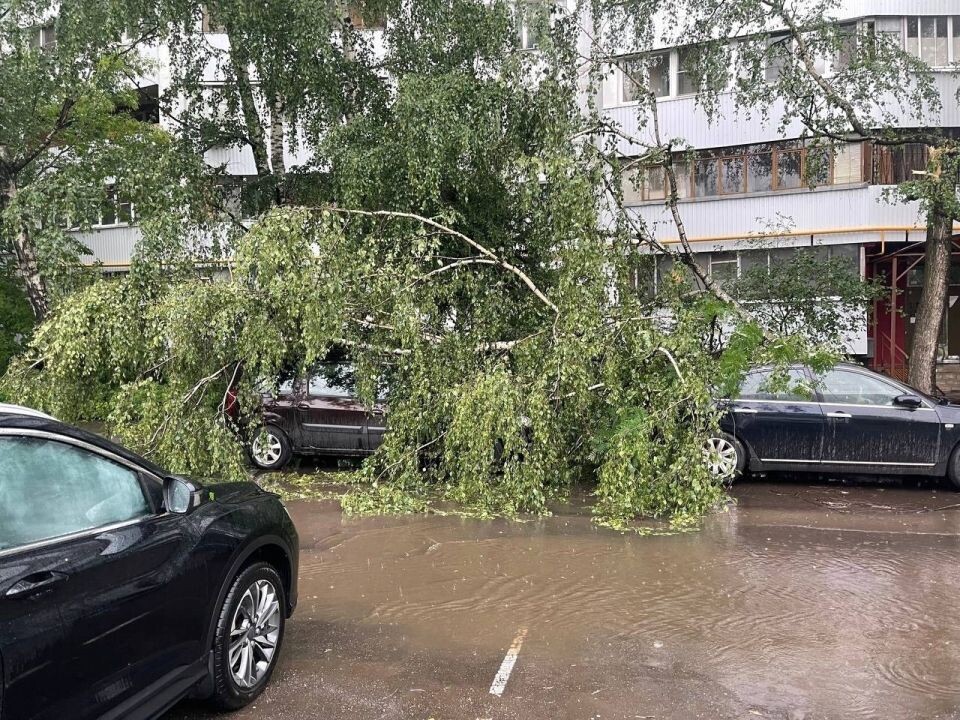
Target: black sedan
{"points": [[124, 589], [846, 420]]}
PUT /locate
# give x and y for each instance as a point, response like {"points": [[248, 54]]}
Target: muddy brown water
{"points": [[800, 601]]}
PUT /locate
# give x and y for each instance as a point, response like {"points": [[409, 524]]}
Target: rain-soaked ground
{"points": [[802, 601]]}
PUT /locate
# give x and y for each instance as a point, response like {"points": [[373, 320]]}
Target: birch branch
{"points": [[486, 252]]}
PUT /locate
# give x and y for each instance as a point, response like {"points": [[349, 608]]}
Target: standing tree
{"points": [[70, 141]]}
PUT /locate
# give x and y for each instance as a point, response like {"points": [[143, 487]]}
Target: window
{"points": [[724, 267], [757, 386], [333, 380], [650, 183], [927, 40], [631, 185], [681, 171], [706, 182], [848, 387], [760, 171], [632, 85], [658, 70], [49, 489], [148, 105], [44, 38], [732, 176], [640, 184], [115, 210], [686, 71], [817, 162], [654, 184], [956, 38], [848, 164], [846, 46], [535, 20], [651, 72], [766, 167], [778, 53], [889, 31], [789, 170]]}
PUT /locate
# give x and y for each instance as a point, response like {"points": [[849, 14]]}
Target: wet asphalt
{"points": [[800, 601]]}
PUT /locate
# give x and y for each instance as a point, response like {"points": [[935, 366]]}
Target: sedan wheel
{"points": [[722, 457]]}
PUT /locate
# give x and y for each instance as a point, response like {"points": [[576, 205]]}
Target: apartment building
{"points": [[745, 195]]}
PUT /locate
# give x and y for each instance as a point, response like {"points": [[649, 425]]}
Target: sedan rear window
{"points": [[761, 385]]}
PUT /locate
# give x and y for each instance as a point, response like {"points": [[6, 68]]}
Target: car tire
{"points": [[953, 468], [270, 448], [726, 457], [241, 672]]}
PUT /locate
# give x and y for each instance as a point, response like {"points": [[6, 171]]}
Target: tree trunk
{"points": [[933, 297], [251, 116], [27, 267], [276, 139], [277, 162]]}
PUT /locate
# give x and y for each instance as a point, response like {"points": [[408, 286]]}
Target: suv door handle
{"points": [[35, 583], [838, 414], [745, 411]]}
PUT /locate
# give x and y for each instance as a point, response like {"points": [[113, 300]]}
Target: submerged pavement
{"points": [[802, 601]]}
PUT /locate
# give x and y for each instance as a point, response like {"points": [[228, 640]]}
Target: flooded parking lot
{"points": [[802, 601]]}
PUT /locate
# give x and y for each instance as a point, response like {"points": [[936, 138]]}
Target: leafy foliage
{"points": [[823, 299], [453, 233], [16, 318]]}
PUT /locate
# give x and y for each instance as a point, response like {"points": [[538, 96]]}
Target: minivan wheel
{"points": [[269, 448], [249, 635], [725, 457]]}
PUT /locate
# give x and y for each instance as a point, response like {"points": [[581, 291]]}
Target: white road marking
{"points": [[506, 667]]}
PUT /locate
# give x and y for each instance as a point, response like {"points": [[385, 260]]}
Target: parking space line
{"points": [[506, 667]]}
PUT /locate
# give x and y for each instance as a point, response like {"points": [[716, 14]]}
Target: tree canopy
{"points": [[456, 227]]}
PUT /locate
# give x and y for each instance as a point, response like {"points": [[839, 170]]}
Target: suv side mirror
{"points": [[180, 495], [908, 401]]}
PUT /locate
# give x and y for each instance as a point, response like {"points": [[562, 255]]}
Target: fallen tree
{"points": [[460, 235]]}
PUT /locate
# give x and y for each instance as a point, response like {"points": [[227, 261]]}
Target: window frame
{"points": [[951, 38], [735, 261], [151, 485], [116, 203]]}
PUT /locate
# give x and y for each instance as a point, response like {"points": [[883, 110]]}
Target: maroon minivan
{"points": [[315, 415]]}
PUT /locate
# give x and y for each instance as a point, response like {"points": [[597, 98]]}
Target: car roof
{"points": [[8, 409]]}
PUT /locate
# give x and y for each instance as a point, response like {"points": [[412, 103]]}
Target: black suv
{"points": [[124, 589]]}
